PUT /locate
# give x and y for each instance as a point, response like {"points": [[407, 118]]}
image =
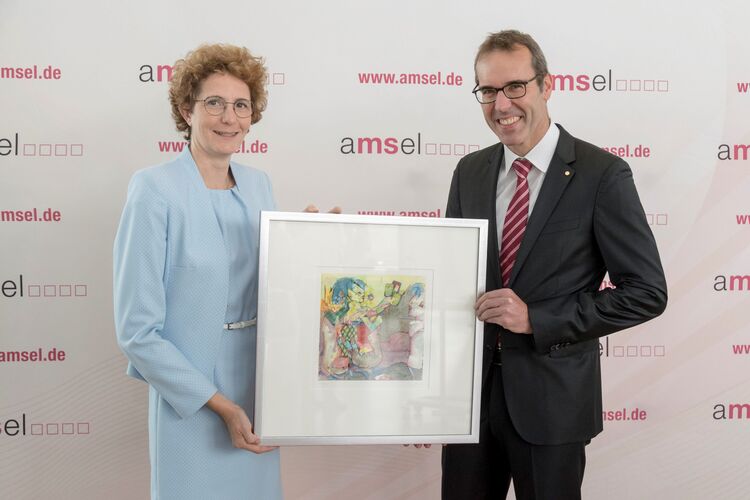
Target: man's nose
{"points": [[502, 103]]}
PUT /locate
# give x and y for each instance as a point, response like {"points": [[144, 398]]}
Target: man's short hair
{"points": [[509, 40]]}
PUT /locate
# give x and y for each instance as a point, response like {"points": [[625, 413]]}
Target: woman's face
{"points": [[218, 136]]}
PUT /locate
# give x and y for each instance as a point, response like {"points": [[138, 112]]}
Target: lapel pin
{"points": [[567, 172]]}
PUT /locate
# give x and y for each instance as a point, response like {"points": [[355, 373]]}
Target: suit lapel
{"points": [[487, 196], [556, 180]]}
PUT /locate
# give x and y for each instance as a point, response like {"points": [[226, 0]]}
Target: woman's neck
{"points": [[214, 171]]}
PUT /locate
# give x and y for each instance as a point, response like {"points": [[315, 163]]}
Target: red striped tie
{"points": [[515, 219]]}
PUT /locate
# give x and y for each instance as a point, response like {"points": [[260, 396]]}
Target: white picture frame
{"points": [[314, 382]]}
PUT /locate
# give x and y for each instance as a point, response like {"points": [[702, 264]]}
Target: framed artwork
{"points": [[366, 329]]}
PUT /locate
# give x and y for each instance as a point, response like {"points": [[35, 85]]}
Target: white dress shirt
{"points": [[540, 156]]}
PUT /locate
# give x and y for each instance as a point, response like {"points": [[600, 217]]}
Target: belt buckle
{"points": [[497, 355], [239, 325]]}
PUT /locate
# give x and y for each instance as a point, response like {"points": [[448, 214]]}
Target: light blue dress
{"points": [[203, 463], [185, 262]]}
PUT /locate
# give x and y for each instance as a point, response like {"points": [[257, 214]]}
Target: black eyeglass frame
{"points": [[497, 90]]}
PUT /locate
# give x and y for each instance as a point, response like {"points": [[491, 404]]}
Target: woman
{"points": [[185, 286]]}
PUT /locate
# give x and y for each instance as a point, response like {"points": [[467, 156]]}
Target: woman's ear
{"points": [[187, 116]]}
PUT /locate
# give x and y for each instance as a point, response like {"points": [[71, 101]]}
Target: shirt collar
{"points": [[540, 155]]}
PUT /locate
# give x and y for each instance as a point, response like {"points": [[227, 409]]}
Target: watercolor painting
{"points": [[372, 327]]}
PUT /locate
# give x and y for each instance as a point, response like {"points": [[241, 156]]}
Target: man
{"points": [[561, 212]]}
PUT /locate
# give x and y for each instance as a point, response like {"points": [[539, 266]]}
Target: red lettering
{"points": [[161, 69], [369, 141], [583, 82], [410, 78], [391, 145]]}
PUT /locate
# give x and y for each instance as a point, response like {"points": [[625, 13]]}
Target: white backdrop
{"points": [[672, 75]]}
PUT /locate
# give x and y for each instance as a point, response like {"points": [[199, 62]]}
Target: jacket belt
{"points": [[237, 325]]}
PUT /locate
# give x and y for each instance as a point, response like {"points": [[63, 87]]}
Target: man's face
{"points": [[519, 123]]}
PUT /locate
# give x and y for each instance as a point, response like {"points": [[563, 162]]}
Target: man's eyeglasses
{"points": [[216, 105], [513, 90]]}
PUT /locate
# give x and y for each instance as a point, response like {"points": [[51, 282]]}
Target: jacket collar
{"points": [[186, 161]]}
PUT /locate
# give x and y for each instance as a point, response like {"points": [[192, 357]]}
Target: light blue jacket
{"points": [[170, 277]]}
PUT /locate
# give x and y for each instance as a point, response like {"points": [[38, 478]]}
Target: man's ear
{"points": [[547, 82]]}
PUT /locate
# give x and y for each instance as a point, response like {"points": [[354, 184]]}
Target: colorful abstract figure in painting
{"points": [[415, 300], [362, 332]]}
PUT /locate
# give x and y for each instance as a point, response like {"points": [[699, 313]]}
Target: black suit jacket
{"points": [[587, 220]]}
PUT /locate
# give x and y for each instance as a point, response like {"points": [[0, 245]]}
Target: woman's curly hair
{"points": [[199, 64]]}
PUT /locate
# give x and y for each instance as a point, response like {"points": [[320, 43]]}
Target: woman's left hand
{"points": [[238, 424]]}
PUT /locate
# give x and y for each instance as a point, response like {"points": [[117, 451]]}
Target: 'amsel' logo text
{"points": [[13, 146], [155, 73], [631, 350], [389, 145], [732, 411], [20, 427], [606, 83], [732, 283], [728, 152], [16, 289]]}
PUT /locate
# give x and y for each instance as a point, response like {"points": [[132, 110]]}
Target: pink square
{"points": [[83, 427], [76, 150], [662, 85], [37, 429], [81, 290], [279, 78], [66, 290], [29, 149], [35, 291], [45, 150], [635, 85], [661, 219], [650, 219], [445, 149], [459, 149], [618, 351], [473, 147], [53, 429], [649, 85], [68, 428], [632, 351], [621, 85], [646, 351], [430, 148], [61, 150], [50, 291], [659, 351]]}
